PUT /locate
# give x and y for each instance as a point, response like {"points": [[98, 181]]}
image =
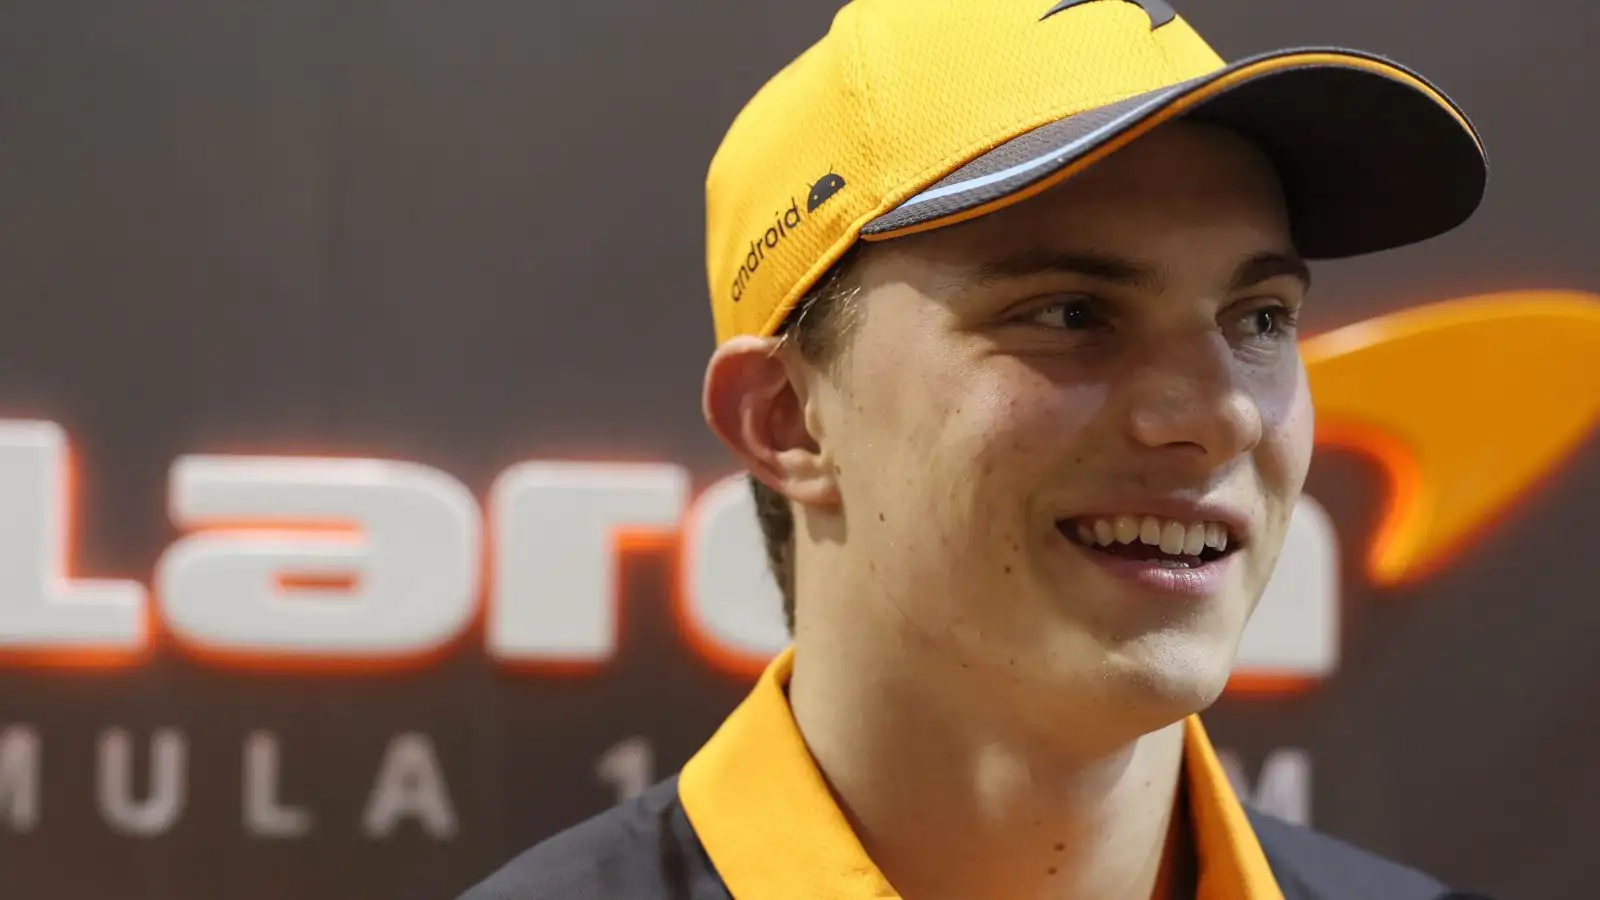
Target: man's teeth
{"points": [[1172, 536]]}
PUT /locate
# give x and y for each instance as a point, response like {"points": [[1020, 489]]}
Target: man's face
{"points": [[1068, 436]]}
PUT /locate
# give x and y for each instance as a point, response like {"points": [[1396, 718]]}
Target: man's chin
{"points": [[1117, 695], [1071, 679], [1171, 680]]}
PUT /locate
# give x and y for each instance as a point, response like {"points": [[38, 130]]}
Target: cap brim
{"points": [[1370, 155]]}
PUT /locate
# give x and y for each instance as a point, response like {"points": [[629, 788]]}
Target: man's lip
{"points": [[1198, 582], [1175, 509]]}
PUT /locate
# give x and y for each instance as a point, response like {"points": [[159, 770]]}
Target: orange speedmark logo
{"points": [[1466, 404]]}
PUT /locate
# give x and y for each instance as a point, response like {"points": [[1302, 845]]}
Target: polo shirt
{"points": [[749, 817]]}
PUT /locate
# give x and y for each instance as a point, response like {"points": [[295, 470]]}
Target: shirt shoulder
{"points": [[1309, 865], [644, 849]]}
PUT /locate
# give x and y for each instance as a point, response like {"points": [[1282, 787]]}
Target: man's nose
{"points": [[1187, 398]]}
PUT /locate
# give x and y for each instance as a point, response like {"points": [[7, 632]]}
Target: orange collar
{"points": [[773, 831]]}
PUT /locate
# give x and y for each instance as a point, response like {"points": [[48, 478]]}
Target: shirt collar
{"points": [[769, 823]]}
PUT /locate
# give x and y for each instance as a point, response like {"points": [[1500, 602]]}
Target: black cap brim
{"points": [[1370, 155]]}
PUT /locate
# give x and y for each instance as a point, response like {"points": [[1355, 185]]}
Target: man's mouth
{"points": [[1164, 542]]}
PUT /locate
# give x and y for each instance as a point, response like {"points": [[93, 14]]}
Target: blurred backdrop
{"points": [[358, 527]]}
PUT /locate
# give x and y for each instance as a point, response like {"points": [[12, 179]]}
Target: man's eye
{"points": [[1072, 315], [1269, 321]]}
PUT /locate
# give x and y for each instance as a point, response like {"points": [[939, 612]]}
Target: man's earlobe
{"points": [[756, 400]]}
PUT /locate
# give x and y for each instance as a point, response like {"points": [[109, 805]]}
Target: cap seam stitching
{"points": [[1161, 45], [863, 92]]}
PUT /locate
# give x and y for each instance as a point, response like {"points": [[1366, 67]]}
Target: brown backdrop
{"points": [[468, 234]]}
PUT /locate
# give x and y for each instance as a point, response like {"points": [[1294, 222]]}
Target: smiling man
{"points": [[1006, 297]]}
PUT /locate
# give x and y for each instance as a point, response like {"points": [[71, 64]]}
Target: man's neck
{"points": [[949, 807]]}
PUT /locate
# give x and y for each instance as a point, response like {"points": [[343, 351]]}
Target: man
{"points": [[1006, 297]]}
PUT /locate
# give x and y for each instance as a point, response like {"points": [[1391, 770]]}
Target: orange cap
{"points": [[915, 114]]}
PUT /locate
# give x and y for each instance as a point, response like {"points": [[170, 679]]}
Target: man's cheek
{"points": [[1282, 397], [1289, 449], [1038, 431]]}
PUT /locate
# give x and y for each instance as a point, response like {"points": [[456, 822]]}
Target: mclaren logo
{"points": [[1467, 405], [1159, 11]]}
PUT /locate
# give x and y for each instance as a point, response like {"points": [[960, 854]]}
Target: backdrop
{"points": [[303, 298]]}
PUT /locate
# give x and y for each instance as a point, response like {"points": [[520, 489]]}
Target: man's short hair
{"points": [[819, 329]]}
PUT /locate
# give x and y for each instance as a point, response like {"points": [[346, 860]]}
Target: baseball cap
{"points": [[910, 115]]}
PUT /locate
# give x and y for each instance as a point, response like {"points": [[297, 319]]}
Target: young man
{"points": [[1005, 295]]}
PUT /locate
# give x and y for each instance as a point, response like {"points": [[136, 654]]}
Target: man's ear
{"points": [[757, 398]]}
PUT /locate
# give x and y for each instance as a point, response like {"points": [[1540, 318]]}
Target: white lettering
{"points": [[411, 557], [42, 609], [629, 767], [315, 559], [1295, 630], [19, 777], [409, 784], [1284, 788], [555, 528], [158, 812], [264, 815], [730, 599]]}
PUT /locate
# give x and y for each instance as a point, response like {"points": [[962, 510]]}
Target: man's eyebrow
{"points": [[1268, 265], [1038, 261]]}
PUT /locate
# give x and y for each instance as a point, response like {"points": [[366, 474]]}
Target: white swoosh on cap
{"points": [[1021, 168]]}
